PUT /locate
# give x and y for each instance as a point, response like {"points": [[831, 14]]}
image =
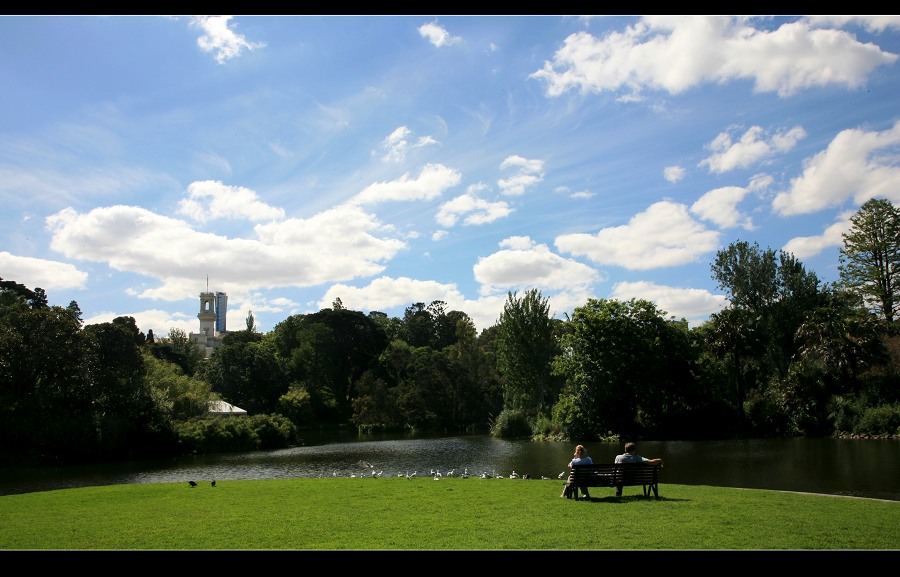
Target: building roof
{"points": [[223, 408]]}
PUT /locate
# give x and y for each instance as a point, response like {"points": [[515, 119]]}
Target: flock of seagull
{"points": [[436, 474]]}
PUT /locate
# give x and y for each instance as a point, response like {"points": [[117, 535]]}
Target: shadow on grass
{"points": [[627, 498]]}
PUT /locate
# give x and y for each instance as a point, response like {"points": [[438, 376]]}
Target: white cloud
{"points": [[437, 35], [523, 164], [760, 182], [220, 39], [673, 173], [529, 173], [336, 245], [43, 273], [472, 209], [870, 23], [693, 305], [432, 181], [524, 264], [161, 322], [396, 144], [676, 53], [808, 246], [385, 292], [210, 200], [751, 148], [720, 206], [663, 235], [857, 165]]}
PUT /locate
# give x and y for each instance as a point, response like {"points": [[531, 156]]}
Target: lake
{"points": [[850, 467]]}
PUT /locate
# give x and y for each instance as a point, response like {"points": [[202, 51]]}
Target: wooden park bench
{"points": [[616, 475]]}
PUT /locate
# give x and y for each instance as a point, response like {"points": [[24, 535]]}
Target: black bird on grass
{"points": [[192, 484], [213, 483]]}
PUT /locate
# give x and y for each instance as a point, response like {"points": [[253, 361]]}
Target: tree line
{"points": [[788, 356]]}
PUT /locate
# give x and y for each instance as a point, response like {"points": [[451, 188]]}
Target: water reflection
{"points": [[866, 468]]}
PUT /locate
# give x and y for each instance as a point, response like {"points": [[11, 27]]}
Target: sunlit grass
{"points": [[423, 514]]}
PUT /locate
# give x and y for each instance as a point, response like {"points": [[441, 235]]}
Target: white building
{"points": [[208, 339], [223, 409]]}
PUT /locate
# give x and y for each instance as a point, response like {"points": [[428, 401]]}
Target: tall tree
{"points": [[245, 371], [870, 257], [123, 406], [770, 295], [526, 346], [76, 311], [626, 368]]}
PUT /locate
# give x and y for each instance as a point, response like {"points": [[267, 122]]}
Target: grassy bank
{"points": [[423, 514]]}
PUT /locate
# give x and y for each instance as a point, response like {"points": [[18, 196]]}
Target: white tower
{"points": [[207, 314]]}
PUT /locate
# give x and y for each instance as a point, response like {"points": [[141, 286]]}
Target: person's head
{"points": [[579, 451], [630, 447]]}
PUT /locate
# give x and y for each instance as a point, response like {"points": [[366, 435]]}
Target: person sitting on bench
{"points": [[579, 459], [629, 456]]}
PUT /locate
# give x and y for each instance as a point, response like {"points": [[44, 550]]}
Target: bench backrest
{"points": [[618, 473]]}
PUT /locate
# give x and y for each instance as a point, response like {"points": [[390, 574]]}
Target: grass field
{"points": [[449, 514]]}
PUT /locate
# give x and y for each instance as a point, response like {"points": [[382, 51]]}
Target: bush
{"points": [[233, 434], [511, 424], [570, 420], [880, 420], [297, 406], [543, 426], [844, 413], [273, 431]]}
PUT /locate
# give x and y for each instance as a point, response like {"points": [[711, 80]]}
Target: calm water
{"points": [[861, 468]]}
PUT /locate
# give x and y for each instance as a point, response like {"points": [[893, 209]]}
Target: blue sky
{"points": [[392, 160]]}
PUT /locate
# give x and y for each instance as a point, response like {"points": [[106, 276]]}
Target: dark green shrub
{"points": [[511, 424], [233, 434], [273, 431], [880, 420]]}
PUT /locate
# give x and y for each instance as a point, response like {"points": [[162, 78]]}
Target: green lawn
{"points": [[423, 514]]}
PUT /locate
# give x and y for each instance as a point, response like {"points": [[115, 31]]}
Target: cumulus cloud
{"points": [[386, 292], [221, 40], [336, 245], [396, 144], [472, 209], [750, 148], [661, 236], [808, 246], [676, 53], [210, 200], [673, 173], [720, 206], [39, 272], [527, 174], [870, 23], [857, 165], [432, 181], [524, 264], [437, 35], [760, 182], [693, 305]]}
